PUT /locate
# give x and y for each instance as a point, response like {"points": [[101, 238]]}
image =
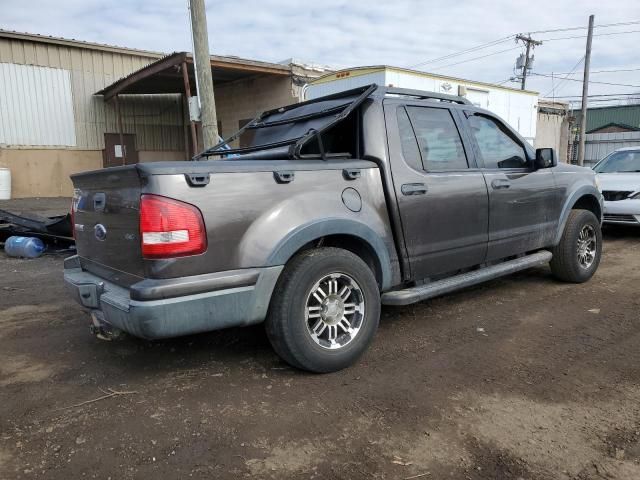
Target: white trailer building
{"points": [[517, 107]]}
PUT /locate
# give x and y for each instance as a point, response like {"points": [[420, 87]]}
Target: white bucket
{"points": [[5, 184]]}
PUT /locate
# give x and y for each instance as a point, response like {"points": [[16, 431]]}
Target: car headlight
{"points": [[635, 196], [598, 186]]}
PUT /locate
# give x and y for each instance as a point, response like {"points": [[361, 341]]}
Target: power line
{"points": [[511, 37], [556, 87], [602, 100], [592, 81], [606, 25], [602, 95], [462, 52], [477, 58], [596, 71], [584, 36]]}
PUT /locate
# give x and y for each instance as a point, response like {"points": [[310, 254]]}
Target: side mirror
{"points": [[545, 158]]}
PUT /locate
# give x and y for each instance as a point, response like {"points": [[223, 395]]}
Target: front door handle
{"points": [[499, 183], [413, 189]]}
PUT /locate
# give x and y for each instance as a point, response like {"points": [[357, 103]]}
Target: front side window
{"points": [[497, 148], [438, 139]]}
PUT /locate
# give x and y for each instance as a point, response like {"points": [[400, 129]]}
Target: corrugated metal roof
{"points": [[601, 116], [72, 42], [33, 37]]}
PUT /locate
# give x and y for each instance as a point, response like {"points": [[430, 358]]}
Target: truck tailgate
{"points": [[106, 222]]}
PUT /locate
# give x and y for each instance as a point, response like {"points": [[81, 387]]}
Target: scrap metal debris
{"points": [[56, 231]]}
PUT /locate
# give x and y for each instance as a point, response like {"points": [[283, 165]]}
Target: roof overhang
{"points": [[165, 75]]}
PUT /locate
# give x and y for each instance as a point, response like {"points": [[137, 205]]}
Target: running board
{"points": [[440, 287]]}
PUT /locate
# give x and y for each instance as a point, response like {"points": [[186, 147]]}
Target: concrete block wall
{"points": [[244, 99]]}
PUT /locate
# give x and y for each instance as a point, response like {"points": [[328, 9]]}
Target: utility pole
{"points": [[528, 41], [585, 93], [203, 73]]}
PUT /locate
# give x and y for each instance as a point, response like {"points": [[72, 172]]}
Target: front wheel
{"points": [[324, 311], [577, 256]]}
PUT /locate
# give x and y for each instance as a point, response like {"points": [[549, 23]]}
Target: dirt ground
{"points": [[521, 378]]}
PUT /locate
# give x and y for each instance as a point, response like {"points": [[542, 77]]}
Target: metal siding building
{"points": [[623, 114], [54, 122], [599, 145], [517, 107], [90, 67]]}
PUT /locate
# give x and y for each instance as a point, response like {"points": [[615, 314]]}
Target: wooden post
{"points": [[187, 92], [120, 133], [585, 93], [184, 110], [208, 119]]}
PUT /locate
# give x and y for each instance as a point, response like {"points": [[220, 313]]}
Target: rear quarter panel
{"points": [[253, 221]]}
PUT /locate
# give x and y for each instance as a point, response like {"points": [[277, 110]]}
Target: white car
{"points": [[619, 177]]}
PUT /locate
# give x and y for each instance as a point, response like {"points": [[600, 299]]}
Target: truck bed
{"points": [[248, 211]]}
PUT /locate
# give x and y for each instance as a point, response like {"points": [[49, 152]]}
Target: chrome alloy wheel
{"points": [[587, 245], [334, 311]]}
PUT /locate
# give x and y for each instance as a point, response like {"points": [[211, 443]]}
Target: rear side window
{"points": [[408, 141], [438, 139], [497, 147]]}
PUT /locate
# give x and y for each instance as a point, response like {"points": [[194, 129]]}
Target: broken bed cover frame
{"points": [[53, 230], [291, 148], [57, 229]]}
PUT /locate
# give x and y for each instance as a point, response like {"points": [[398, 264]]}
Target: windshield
{"points": [[620, 162]]}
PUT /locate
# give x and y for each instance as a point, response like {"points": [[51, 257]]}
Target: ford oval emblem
{"points": [[100, 232]]}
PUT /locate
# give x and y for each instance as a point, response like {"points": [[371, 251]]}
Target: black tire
{"points": [[566, 264], [290, 331]]}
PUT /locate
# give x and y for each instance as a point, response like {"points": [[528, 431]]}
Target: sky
{"points": [[344, 33]]}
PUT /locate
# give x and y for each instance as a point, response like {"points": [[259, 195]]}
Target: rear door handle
{"points": [[499, 183], [413, 189]]}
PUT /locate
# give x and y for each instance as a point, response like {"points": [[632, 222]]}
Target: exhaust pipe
{"points": [[101, 329]]}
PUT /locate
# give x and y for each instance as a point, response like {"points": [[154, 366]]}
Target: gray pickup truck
{"points": [[331, 208]]}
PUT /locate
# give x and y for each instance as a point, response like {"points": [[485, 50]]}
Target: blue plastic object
{"points": [[28, 247]]}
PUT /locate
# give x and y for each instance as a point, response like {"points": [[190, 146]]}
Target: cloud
{"points": [[357, 32]]}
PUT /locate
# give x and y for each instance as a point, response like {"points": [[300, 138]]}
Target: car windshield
{"points": [[620, 162]]}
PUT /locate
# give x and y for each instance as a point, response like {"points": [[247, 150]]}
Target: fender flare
{"points": [[571, 201], [305, 234]]}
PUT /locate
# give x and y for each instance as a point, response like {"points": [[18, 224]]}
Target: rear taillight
{"points": [[170, 228]]}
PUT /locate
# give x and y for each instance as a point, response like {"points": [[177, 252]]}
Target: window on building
{"points": [[497, 146], [438, 139]]}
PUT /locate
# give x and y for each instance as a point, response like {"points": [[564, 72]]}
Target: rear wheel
{"points": [[577, 256], [324, 311]]}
